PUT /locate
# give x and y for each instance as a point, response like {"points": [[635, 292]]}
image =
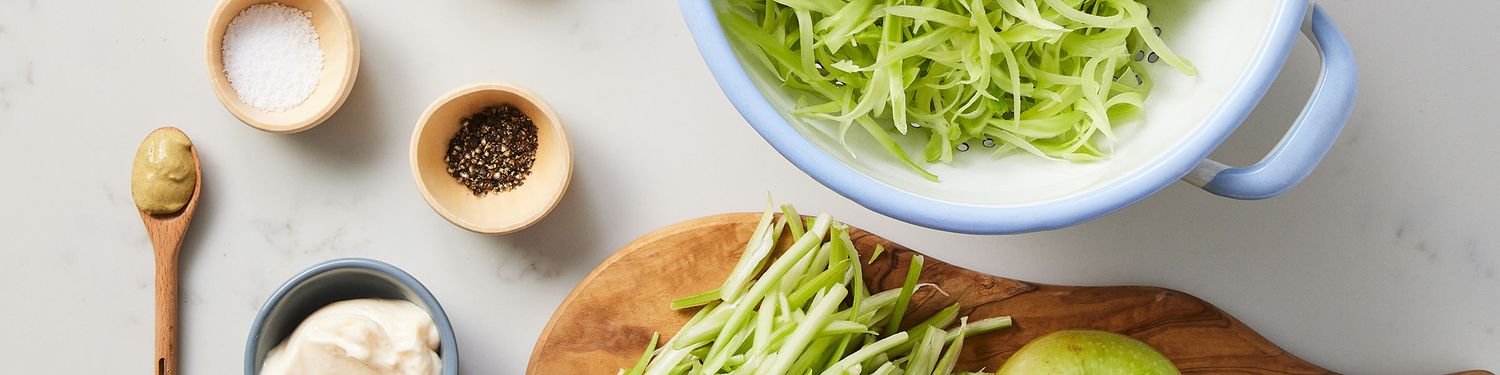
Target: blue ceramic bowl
{"points": [[1239, 48], [334, 281]]}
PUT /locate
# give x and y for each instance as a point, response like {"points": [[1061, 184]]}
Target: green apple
{"points": [[1087, 352]]}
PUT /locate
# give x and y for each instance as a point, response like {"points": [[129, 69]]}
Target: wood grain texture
{"points": [[607, 321], [167, 232]]}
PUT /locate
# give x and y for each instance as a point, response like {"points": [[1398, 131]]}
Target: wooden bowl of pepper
{"points": [[491, 158]]}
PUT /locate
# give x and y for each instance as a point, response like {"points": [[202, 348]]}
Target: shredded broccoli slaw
{"points": [[808, 311], [1044, 77]]}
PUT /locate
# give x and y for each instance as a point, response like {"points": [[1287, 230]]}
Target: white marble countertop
{"points": [[1384, 262]]}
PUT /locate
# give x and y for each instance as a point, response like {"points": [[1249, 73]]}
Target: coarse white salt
{"points": [[271, 56]]}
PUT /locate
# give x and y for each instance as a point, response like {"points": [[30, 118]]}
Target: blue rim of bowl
{"points": [[440, 318], [752, 104]]}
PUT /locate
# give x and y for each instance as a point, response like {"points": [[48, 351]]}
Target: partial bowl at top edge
{"points": [[494, 213], [337, 38], [1186, 119]]}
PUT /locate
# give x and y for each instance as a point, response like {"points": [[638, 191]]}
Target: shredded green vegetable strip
{"points": [[1045, 77], [806, 310]]}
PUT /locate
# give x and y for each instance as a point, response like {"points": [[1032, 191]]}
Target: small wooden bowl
{"points": [[494, 213], [340, 44]]}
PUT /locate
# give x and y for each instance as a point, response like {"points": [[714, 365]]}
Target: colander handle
{"points": [[1310, 137]]}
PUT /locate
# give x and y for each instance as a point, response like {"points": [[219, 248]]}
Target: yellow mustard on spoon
{"points": [[165, 181]]}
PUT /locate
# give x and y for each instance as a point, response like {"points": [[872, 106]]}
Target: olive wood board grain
{"points": [[608, 319]]}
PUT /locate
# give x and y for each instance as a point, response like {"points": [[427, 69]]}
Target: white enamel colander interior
{"points": [[1220, 37]]}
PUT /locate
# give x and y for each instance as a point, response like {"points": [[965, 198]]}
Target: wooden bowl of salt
{"points": [[282, 66]]}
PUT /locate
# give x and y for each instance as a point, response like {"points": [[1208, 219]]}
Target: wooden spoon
{"points": [[606, 321], [166, 232]]}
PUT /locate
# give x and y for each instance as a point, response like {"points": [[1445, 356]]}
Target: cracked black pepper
{"points": [[493, 150]]}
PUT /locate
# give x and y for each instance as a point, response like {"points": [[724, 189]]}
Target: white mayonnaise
{"points": [[359, 337]]}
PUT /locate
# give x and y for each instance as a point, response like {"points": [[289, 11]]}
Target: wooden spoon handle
{"points": [[166, 312]]}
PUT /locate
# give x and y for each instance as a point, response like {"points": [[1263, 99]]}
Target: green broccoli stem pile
{"points": [[808, 311]]}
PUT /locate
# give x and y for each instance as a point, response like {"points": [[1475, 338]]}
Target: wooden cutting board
{"points": [[607, 321]]}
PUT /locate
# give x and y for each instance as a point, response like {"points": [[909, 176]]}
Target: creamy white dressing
{"points": [[359, 337]]}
